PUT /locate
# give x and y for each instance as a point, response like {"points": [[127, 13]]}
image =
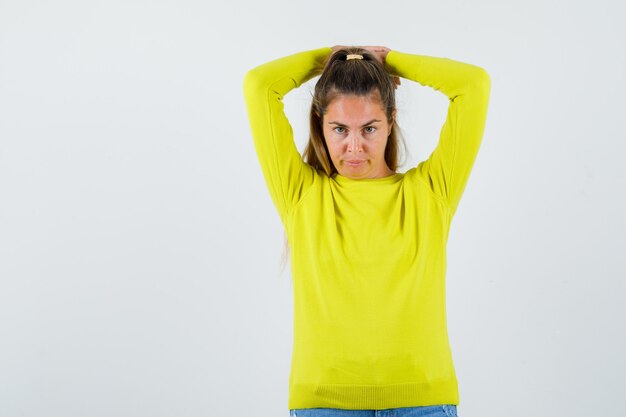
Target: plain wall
{"points": [[140, 253]]}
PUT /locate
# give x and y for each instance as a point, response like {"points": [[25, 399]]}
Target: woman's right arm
{"points": [[287, 176]]}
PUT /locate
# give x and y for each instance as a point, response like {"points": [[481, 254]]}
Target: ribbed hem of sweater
{"points": [[373, 397]]}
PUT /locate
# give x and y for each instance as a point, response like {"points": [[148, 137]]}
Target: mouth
{"points": [[355, 162]]}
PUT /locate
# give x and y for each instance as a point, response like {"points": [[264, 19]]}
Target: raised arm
{"points": [[287, 176], [468, 88]]}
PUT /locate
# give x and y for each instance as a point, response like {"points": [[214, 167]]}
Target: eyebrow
{"points": [[366, 124]]}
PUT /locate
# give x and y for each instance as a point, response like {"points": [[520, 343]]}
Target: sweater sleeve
{"points": [[286, 174], [468, 88]]}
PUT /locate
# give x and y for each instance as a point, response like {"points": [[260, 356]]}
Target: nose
{"points": [[354, 142]]}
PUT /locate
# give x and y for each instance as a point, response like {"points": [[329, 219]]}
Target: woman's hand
{"points": [[379, 52], [338, 47]]}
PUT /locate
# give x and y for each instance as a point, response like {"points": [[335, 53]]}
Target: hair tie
{"points": [[353, 56]]}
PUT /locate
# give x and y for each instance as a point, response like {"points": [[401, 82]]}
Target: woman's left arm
{"points": [[467, 87]]}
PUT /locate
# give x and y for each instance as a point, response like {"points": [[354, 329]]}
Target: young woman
{"points": [[368, 244]]}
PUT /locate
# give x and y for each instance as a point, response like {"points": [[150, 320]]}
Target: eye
{"points": [[339, 129], [370, 129]]}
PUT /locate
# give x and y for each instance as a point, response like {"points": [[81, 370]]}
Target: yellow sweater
{"points": [[368, 257]]}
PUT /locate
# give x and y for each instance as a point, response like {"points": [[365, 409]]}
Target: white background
{"points": [[140, 253]]}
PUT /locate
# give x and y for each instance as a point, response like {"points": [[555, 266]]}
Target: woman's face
{"points": [[356, 131]]}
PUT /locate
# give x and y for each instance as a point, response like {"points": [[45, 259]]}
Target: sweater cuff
{"points": [[392, 60]]}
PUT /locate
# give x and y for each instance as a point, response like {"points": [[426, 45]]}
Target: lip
{"points": [[355, 162]]}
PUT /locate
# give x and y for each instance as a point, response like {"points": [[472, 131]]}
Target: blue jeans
{"points": [[444, 410]]}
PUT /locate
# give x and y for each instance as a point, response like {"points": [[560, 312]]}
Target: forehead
{"points": [[350, 107]]}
